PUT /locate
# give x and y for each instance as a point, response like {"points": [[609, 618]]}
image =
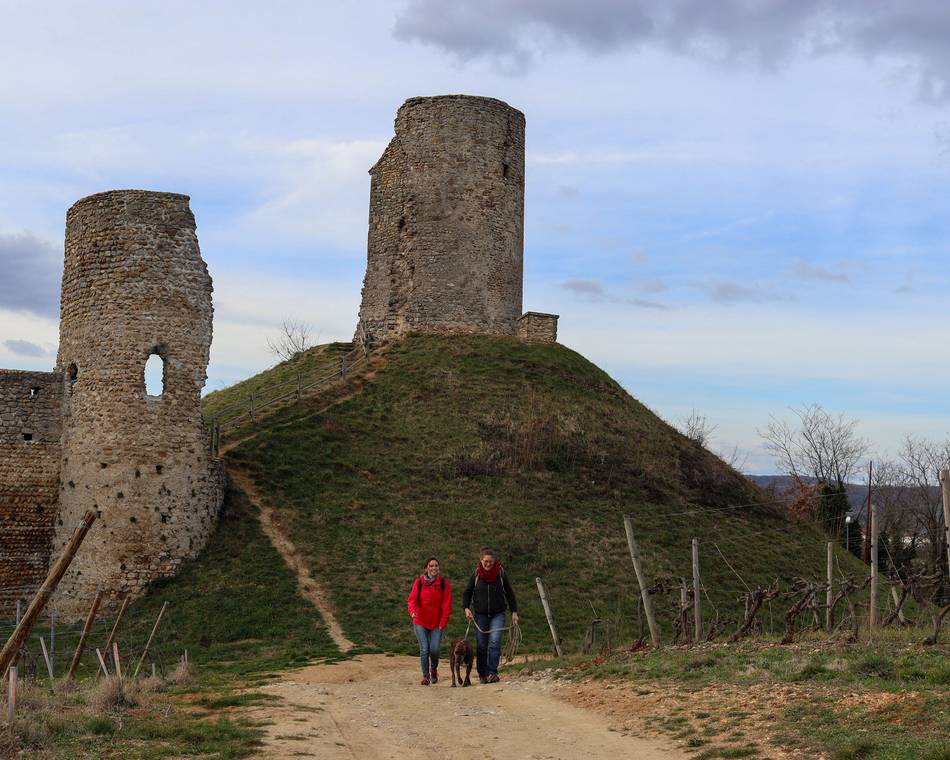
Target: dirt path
{"points": [[373, 708], [309, 588]]}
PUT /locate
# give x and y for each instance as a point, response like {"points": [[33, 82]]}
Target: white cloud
{"points": [[317, 191]]}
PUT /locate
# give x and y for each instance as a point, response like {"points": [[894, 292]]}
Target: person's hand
{"points": [[514, 618], [468, 614]]}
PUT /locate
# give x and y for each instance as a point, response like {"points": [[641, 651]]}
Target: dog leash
{"points": [[514, 637]]}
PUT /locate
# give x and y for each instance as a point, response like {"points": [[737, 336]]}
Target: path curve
{"points": [[373, 708], [280, 538]]}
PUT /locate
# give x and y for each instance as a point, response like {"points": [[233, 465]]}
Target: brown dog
{"points": [[461, 654]]}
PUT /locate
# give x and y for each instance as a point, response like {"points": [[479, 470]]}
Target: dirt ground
{"points": [[373, 708]]}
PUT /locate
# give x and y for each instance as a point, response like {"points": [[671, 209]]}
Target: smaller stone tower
{"points": [[134, 285], [446, 221]]}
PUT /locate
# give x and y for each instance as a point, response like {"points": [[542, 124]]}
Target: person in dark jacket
{"points": [[487, 596], [430, 606]]}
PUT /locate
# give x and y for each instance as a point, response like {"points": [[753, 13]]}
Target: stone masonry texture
{"points": [[30, 418], [446, 221], [535, 327], [134, 284]]}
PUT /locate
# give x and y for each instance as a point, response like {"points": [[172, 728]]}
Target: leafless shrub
{"points": [[293, 340], [538, 437], [111, 693], [697, 428], [148, 685], [182, 675]]}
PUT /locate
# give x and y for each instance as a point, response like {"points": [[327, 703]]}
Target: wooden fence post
{"points": [[684, 610], [945, 487], [641, 579], [117, 663], [49, 664], [829, 618], [150, 637], [81, 646], [875, 534], [11, 694], [697, 595], [102, 663], [549, 616], [12, 648]]}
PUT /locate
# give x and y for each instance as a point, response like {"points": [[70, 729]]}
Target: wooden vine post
{"points": [[697, 601], [641, 579], [81, 646], [152, 636], [945, 487], [875, 535], [547, 613], [12, 648], [829, 617]]}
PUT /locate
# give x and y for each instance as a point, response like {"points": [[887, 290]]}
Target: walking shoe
{"points": [[425, 680], [482, 679], [493, 678], [435, 676]]}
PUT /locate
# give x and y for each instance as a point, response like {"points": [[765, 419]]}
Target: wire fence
{"points": [[249, 408]]}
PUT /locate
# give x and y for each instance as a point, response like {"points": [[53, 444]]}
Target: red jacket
{"points": [[430, 606]]}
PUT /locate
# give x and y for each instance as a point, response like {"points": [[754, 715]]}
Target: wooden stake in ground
{"points": [[115, 627], [11, 695], [152, 635], [641, 579], [12, 648], [945, 487], [697, 601], [547, 613], [118, 620], [81, 646], [898, 606], [829, 617], [116, 661], [49, 664], [875, 533], [102, 664]]}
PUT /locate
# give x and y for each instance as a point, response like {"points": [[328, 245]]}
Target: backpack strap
{"points": [[419, 587]]}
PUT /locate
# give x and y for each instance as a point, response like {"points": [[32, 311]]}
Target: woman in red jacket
{"points": [[430, 605]]}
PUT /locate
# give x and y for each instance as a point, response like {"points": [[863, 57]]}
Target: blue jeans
{"points": [[430, 641], [488, 645]]}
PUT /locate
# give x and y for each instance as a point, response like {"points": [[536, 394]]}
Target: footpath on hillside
{"points": [[373, 708]]}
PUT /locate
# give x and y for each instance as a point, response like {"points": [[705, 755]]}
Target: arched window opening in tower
{"points": [[155, 375], [72, 374]]}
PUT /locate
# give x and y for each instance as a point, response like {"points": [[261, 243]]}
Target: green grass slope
{"points": [[463, 441]]}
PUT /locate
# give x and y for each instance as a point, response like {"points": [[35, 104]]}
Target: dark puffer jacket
{"points": [[484, 598]]}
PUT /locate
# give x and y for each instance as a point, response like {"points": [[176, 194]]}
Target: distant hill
{"points": [[857, 492]]}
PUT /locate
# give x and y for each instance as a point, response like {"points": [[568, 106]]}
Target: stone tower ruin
{"points": [[446, 221], [134, 285]]}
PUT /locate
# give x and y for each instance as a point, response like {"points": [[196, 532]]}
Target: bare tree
{"points": [[698, 428], [293, 340], [820, 446], [920, 463]]}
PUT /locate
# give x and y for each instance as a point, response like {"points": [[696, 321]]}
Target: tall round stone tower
{"points": [[134, 287], [446, 221]]}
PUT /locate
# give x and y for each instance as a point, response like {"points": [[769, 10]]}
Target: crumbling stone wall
{"points": [[134, 284], [446, 221], [29, 480], [537, 327]]}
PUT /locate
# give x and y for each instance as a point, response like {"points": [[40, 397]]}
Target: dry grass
{"points": [[9, 745], [182, 675], [112, 693], [148, 685]]}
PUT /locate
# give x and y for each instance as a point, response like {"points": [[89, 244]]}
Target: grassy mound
{"points": [[235, 609], [464, 441]]}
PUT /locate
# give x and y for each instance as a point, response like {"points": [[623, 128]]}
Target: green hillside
{"points": [[463, 441]]}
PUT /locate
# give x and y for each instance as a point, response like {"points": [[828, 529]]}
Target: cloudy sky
{"points": [[735, 206]]}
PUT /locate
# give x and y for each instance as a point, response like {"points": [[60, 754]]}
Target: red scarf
{"points": [[489, 576]]}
